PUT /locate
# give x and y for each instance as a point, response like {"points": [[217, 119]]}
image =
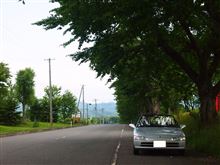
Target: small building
{"points": [[76, 117]]}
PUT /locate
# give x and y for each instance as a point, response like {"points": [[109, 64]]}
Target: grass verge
{"points": [[201, 139], [29, 127]]}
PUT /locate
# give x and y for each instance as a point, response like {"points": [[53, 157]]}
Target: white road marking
{"points": [[63, 137], [1, 149], [114, 162], [121, 133]]}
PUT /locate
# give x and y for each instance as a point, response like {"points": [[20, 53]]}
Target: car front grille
{"points": [[147, 144], [168, 144], [172, 144]]}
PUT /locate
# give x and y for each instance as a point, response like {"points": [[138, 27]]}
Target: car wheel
{"points": [[135, 151]]}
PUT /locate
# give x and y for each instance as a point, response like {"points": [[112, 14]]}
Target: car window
{"points": [[157, 121]]}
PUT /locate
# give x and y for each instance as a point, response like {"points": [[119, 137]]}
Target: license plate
{"points": [[159, 144]]}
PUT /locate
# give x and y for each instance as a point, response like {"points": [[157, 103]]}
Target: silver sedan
{"points": [[158, 132]]}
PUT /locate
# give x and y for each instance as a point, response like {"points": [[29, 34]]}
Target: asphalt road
{"points": [[88, 145]]}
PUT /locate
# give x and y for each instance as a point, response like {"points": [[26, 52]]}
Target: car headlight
{"points": [[182, 138], [138, 137]]}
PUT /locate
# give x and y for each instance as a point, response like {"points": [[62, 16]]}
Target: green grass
{"points": [[28, 127], [201, 139]]}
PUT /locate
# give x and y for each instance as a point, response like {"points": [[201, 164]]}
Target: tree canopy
{"points": [[4, 79], [8, 101], [68, 105], [64, 105], [56, 101], [25, 87], [184, 31], [34, 109]]}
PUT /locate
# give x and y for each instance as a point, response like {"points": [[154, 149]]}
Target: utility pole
{"points": [[50, 92], [96, 110], [103, 119], [87, 116], [87, 112], [81, 93], [83, 102]]}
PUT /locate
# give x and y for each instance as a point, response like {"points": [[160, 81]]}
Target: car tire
{"points": [[135, 151]]}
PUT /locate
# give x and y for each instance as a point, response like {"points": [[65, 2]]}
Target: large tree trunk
{"points": [[23, 110], [149, 105], [156, 106], [153, 105], [207, 108], [208, 66]]}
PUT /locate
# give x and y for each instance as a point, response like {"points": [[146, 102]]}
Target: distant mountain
{"points": [[103, 109]]}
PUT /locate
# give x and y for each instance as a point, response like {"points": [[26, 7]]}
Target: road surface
{"points": [[88, 145]]}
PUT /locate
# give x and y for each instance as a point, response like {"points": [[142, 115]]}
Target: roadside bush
{"points": [[8, 113], [36, 124], [201, 139], [83, 121], [68, 120], [94, 120]]}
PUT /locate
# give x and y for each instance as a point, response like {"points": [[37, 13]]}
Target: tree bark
{"points": [[156, 106], [153, 105], [23, 110], [202, 79], [207, 108], [149, 105]]}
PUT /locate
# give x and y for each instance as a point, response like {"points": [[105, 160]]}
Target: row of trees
{"points": [[22, 94], [64, 106], [156, 52], [153, 89], [8, 101]]}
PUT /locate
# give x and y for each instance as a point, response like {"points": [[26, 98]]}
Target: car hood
{"points": [[158, 131]]}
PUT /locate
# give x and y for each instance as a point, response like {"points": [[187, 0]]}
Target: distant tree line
{"points": [[22, 94]]}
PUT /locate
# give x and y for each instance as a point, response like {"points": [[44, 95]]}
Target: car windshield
{"points": [[157, 121]]}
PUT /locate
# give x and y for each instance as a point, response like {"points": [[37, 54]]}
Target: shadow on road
{"points": [[161, 153]]}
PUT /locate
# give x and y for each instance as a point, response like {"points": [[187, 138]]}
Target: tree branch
{"points": [[203, 58], [214, 65], [212, 10], [174, 55], [22, 1], [216, 89], [191, 37]]}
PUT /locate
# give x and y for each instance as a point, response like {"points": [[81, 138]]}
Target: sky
{"points": [[25, 45]]}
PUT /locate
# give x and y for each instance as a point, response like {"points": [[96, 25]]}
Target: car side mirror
{"points": [[132, 125], [182, 126]]}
